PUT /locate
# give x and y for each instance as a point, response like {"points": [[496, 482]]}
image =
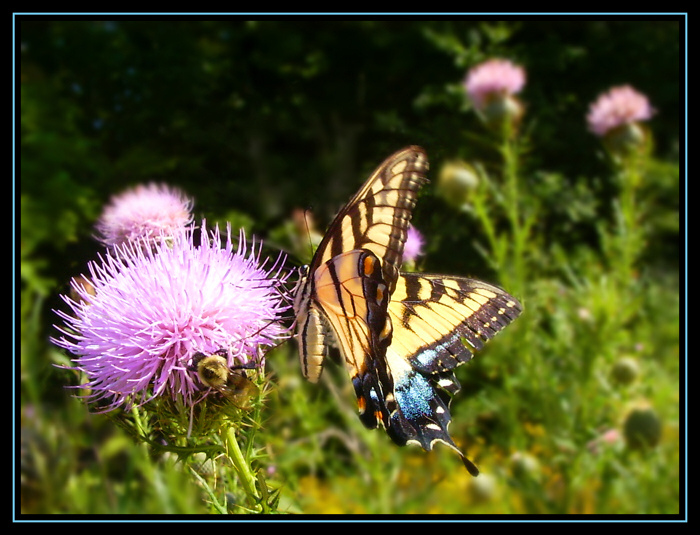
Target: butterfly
{"points": [[401, 335]]}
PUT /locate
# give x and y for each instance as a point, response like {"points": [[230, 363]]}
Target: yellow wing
{"points": [[400, 335]]}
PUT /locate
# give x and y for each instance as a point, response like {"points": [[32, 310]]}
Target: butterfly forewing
{"points": [[377, 217]]}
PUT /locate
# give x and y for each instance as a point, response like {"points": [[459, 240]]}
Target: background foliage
{"points": [[255, 119]]}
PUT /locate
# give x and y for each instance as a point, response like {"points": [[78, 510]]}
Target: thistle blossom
{"points": [[493, 79], [154, 308], [414, 245], [621, 105], [144, 213]]}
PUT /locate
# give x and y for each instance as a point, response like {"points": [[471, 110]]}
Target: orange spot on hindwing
{"points": [[369, 265], [361, 404], [380, 293]]}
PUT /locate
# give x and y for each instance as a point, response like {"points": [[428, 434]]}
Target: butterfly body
{"points": [[400, 334]]}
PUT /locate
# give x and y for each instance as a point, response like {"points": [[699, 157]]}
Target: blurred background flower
{"points": [[491, 86], [145, 212], [413, 247], [606, 439], [615, 116], [619, 106]]}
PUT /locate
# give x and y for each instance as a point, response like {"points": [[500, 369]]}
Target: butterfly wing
{"points": [[377, 217], [375, 220], [438, 323]]}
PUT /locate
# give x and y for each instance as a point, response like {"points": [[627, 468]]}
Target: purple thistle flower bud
{"points": [[493, 79], [145, 212], [153, 308]]}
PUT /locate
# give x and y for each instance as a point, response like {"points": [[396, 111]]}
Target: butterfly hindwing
{"points": [[438, 322]]}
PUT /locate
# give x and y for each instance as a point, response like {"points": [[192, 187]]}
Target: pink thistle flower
{"points": [[414, 245], [495, 79], [609, 438], [154, 308], [612, 436], [620, 106], [144, 213]]}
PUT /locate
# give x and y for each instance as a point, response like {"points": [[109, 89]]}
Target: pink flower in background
{"points": [[414, 245], [620, 106], [146, 314], [493, 79], [609, 438], [144, 212]]}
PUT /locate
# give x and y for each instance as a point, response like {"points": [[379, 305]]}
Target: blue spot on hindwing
{"points": [[413, 393]]}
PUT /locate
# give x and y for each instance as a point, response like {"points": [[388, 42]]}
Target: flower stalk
{"points": [[242, 466]]}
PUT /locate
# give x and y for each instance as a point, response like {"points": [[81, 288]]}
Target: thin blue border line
{"points": [[686, 265], [14, 275], [302, 520], [359, 13]]}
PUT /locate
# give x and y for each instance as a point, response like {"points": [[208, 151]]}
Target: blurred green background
{"points": [[256, 119]]}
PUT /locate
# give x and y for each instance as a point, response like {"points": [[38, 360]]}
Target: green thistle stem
{"points": [[245, 473], [521, 212]]}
